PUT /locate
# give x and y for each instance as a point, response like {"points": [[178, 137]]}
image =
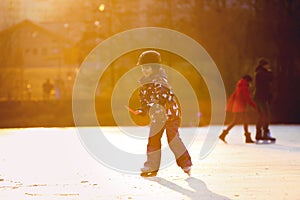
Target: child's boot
{"points": [[248, 138], [223, 135]]}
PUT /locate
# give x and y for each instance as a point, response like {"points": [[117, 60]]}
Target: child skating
{"points": [[159, 102]]}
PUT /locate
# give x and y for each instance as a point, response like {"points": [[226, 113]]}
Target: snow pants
{"points": [[175, 143]]}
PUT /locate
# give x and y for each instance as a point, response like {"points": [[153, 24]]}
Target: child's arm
{"points": [[135, 112]]}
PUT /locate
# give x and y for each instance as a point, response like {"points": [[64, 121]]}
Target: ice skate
{"points": [[148, 172], [259, 135], [248, 138], [187, 170], [266, 138]]}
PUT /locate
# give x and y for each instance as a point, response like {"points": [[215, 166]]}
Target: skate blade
{"points": [[265, 141], [148, 174], [188, 173], [187, 170]]}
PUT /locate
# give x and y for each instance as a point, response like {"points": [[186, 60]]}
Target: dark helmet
{"points": [[149, 56], [263, 62]]}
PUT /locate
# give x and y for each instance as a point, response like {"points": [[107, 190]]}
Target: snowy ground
{"points": [[51, 163]]}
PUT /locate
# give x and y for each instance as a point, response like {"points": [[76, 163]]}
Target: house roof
{"points": [[8, 32], [74, 30]]}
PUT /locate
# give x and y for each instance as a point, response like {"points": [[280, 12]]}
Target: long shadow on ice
{"points": [[198, 190]]}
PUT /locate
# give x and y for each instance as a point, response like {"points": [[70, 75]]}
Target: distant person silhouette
{"points": [[237, 104], [28, 90], [47, 88], [263, 97]]}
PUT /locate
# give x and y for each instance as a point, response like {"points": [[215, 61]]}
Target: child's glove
{"points": [[140, 111]]}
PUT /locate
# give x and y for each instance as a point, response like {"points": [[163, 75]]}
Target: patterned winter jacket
{"points": [[157, 98]]}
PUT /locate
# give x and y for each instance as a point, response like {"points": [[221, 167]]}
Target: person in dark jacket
{"points": [[237, 104], [263, 97], [160, 103]]}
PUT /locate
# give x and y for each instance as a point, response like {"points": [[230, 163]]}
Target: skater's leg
{"points": [[266, 130], [266, 135], [260, 120], [247, 133], [265, 112], [229, 127], [244, 118], [266, 121], [183, 158], [154, 147], [232, 123], [258, 135]]}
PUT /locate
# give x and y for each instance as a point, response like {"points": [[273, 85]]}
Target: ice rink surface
{"points": [[52, 163]]}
